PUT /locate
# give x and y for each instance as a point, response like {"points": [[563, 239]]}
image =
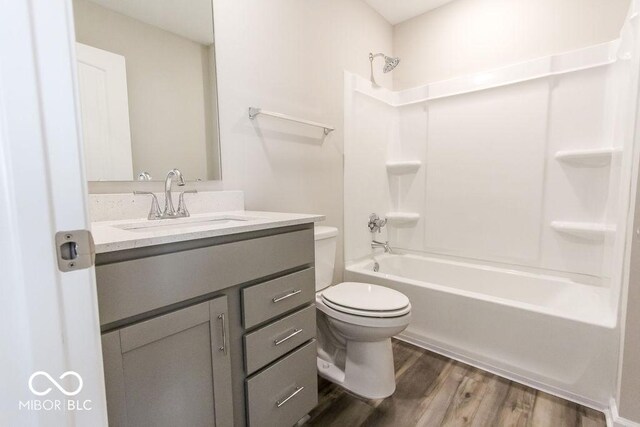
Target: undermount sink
{"points": [[183, 223]]}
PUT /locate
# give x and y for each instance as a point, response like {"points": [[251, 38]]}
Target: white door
{"points": [[50, 356], [102, 77]]}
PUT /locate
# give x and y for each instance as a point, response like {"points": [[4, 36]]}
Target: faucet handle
{"points": [[154, 212], [376, 223], [182, 207], [144, 176]]}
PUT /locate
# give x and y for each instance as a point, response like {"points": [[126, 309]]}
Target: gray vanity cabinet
{"points": [[210, 332], [171, 370]]}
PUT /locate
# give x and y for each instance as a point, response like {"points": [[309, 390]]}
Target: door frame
{"points": [[49, 319]]}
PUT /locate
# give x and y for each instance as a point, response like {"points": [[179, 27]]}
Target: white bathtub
{"points": [[545, 331]]}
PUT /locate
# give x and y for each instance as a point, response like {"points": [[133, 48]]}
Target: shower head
{"points": [[389, 64]]}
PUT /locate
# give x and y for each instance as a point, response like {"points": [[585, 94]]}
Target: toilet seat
{"points": [[366, 300], [371, 321]]}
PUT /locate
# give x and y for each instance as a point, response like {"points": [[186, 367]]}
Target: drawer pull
{"points": [[279, 403], [288, 337], [223, 348], [283, 297]]}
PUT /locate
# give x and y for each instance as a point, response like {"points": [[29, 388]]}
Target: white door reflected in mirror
{"points": [[102, 77]]}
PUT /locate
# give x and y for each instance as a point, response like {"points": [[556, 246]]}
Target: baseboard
{"points": [[452, 354], [616, 420]]}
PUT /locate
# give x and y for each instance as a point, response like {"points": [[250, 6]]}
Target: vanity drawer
{"points": [[265, 345], [286, 391], [270, 299], [132, 287]]}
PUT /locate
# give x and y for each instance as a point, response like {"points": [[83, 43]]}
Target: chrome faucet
{"points": [[156, 213], [169, 211], [385, 246]]}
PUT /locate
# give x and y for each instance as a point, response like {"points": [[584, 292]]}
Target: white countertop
{"points": [[109, 237]]}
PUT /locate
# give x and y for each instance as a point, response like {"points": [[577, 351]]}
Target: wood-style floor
{"points": [[433, 390]]}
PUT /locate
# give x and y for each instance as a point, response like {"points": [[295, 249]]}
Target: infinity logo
{"points": [[55, 383]]}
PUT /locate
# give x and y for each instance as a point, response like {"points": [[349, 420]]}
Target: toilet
{"points": [[355, 324]]}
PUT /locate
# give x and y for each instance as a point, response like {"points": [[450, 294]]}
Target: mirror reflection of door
{"points": [[170, 80], [102, 77]]}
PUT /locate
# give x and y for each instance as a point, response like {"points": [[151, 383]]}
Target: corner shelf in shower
{"points": [[586, 230], [587, 157], [402, 218], [403, 167]]}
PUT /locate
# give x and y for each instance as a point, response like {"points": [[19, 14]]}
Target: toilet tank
{"points": [[325, 242]]}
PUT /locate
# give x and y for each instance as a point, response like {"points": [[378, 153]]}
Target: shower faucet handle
{"points": [[376, 223]]}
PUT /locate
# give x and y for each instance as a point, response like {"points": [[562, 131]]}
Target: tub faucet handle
{"points": [[376, 223]]}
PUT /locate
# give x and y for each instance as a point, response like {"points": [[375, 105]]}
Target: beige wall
{"points": [[289, 56], [168, 79], [468, 36]]}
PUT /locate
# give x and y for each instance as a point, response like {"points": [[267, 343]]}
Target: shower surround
{"points": [[507, 194]]}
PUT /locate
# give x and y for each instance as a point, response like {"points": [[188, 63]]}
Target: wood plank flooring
{"points": [[433, 390]]}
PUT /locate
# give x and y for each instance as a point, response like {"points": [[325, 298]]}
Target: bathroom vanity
{"points": [[208, 321]]}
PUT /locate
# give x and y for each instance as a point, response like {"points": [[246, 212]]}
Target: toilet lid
{"points": [[365, 297]]}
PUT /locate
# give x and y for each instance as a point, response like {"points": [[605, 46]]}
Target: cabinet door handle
{"points": [[289, 295], [223, 347], [291, 335], [279, 403]]}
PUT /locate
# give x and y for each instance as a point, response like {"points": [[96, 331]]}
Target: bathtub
{"points": [[548, 332]]}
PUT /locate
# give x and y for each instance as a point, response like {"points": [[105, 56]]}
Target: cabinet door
{"points": [[171, 370]]}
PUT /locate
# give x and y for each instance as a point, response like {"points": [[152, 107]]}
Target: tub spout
{"points": [[385, 246]]}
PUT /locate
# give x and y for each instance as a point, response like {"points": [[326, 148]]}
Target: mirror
{"points": [[148, 98]]}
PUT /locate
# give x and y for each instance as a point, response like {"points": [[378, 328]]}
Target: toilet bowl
{"points": [[355, 324]]}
